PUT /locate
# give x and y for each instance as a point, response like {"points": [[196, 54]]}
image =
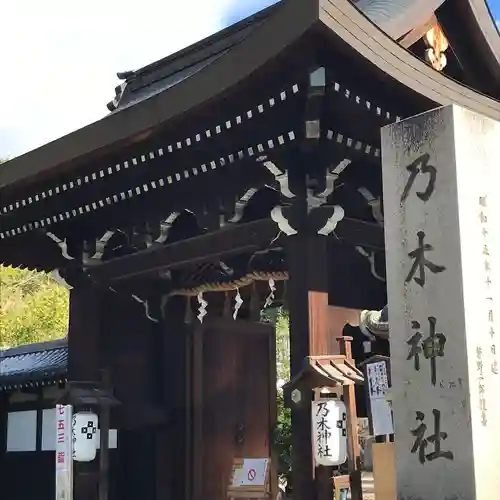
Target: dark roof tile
{"points": [[34, 364]]}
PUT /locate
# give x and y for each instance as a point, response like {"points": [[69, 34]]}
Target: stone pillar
{"points": [[442, 223]]}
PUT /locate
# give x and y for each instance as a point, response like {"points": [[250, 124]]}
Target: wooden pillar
{"points": [[173, 444], [349, 395], [310, 218], [84, 365], [197, 413], [104, 426], [308, 307]]}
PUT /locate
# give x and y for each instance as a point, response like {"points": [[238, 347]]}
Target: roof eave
{"points": [[387, 57], [286, 24]]}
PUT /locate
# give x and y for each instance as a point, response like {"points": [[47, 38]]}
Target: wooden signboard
{"points": [[250, 478], [377, 370]]}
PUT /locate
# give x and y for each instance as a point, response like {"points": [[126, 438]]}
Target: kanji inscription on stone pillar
{"points": [[441, 175]]}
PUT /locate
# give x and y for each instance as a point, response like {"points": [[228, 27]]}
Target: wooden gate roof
{"points": [[171, 117], [278, 28]]}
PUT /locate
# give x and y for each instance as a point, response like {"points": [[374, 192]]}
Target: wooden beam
{"points": [[360, 233], [232, 239], [417, 33]]}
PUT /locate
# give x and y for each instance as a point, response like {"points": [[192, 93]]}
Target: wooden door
{"points": [[235, 400], [134, 476]]}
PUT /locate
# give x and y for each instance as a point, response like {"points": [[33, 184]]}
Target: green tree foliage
{"points": [[283, 438], [283, 429], [33, 307], [282, 346]]}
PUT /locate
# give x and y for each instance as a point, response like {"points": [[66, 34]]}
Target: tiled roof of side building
{"points": [[33, 365]]}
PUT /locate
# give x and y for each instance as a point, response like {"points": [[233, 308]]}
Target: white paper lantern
{"points": [[329, 429], [84, 436]]}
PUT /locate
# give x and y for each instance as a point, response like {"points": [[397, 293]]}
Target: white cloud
{"points": [[59, 59]]}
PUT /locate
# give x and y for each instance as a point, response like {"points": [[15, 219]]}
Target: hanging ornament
{"points": [[270, 297], [146, 307], [202, 310], [370, 256], [84, 436], [238, 301]]}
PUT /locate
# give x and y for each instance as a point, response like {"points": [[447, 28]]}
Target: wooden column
{"points": [[173, 444], [308, 306], [310, 217], [349, 395], [84, 365]]}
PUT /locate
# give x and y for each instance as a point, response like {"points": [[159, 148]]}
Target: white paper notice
{"points": [[381, 417], [378, 387], [378, 381], [252, 473]]}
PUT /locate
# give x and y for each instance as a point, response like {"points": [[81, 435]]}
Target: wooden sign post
{"points": [[250, 478], [338, 374], [377, 370], [64, 453]]}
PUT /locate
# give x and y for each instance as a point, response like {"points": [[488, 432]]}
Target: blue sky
{"points": [[495, 8], [59, 59]]}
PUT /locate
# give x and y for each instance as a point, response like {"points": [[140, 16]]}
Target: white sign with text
{"points": [[64, 452]]}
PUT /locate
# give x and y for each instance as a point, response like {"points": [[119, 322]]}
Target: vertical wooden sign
{"points": [[378, 384], [64, 453]]}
